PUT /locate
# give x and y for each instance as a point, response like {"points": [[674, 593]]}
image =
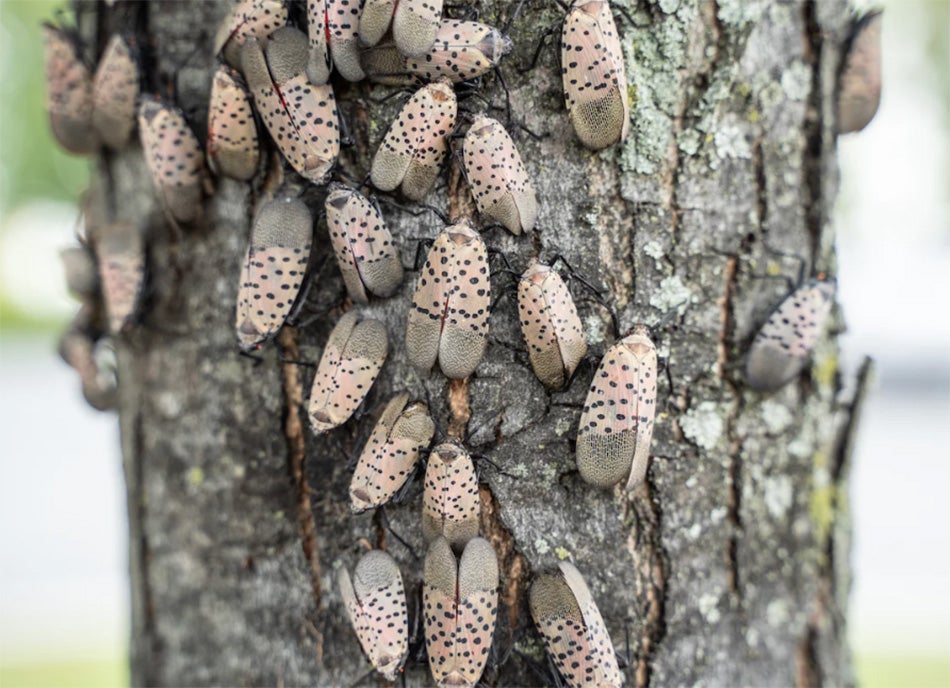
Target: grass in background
{"points": [[881, 671], [77, 673]]}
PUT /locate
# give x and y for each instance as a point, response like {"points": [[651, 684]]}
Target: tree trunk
{"points": [[730, 566]]}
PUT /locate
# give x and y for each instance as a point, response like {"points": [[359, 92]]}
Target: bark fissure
{"points": [[734, 514], [646, 549], [807, 667], [726, 315], [813, 178], [513, 567], [297, 456], [761, 186]]}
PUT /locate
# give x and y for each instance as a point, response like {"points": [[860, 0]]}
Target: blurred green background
{"points": [[37, 180]]}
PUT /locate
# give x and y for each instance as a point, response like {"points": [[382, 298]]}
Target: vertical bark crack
{"points": [[513, 566], [297, 455], [645, 547], [812, 173], [735, 518], [726, 316]]}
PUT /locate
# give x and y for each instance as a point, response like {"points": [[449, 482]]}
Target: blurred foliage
{"points": [[92, 673], [937, 45], [32, 164], [879, 671]]}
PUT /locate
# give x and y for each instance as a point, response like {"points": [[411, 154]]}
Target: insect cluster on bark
{"points": [[279, 69]]}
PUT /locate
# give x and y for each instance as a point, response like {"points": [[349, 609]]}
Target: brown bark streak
{"points": [[513, 568], [297, 455], [644, 546]]}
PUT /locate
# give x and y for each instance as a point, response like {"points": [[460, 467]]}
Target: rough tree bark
{"points": [[729, 567]]}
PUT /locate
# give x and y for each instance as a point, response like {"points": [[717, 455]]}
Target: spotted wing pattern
{"points": [[174, 158], [782, 346], [343, 20], [450, 500], [233, 146], [448, 318], [318, 65], [459, 607], [364, 248], [115, 90], [462, 50], [274, 269], [351, 361], [391, 453], [300, 117], [120, 253], [594, 76], [68, 93], [414, 148], [465, 328], [550, 324], [496, 173], [573, 630], [375, 600], [258, 18], [616, 426]]}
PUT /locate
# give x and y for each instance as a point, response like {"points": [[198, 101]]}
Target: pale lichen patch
{"points": [[778, 495], [796, 81], [776, 416], [704, 425], [671, 294]]}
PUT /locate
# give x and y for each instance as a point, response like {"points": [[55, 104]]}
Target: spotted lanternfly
{"points": [[259, 18], [573, 630], [83, 350], [416, 24], [595, 80], [352, 358], [391, 454], [301, 117], [115, 90], [275, 266], [233, 147], [859, 84], [68, 93], [343, 20], [414, 148], [79, 268], [497, 176], [613, 441], [364, 248], [375, 600], [450, 501], [462, 50], [448, 318], [460, 603], [550, 325], [781, 347], [120, 253], [318, 64], [174, 158], [374, 21]]}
